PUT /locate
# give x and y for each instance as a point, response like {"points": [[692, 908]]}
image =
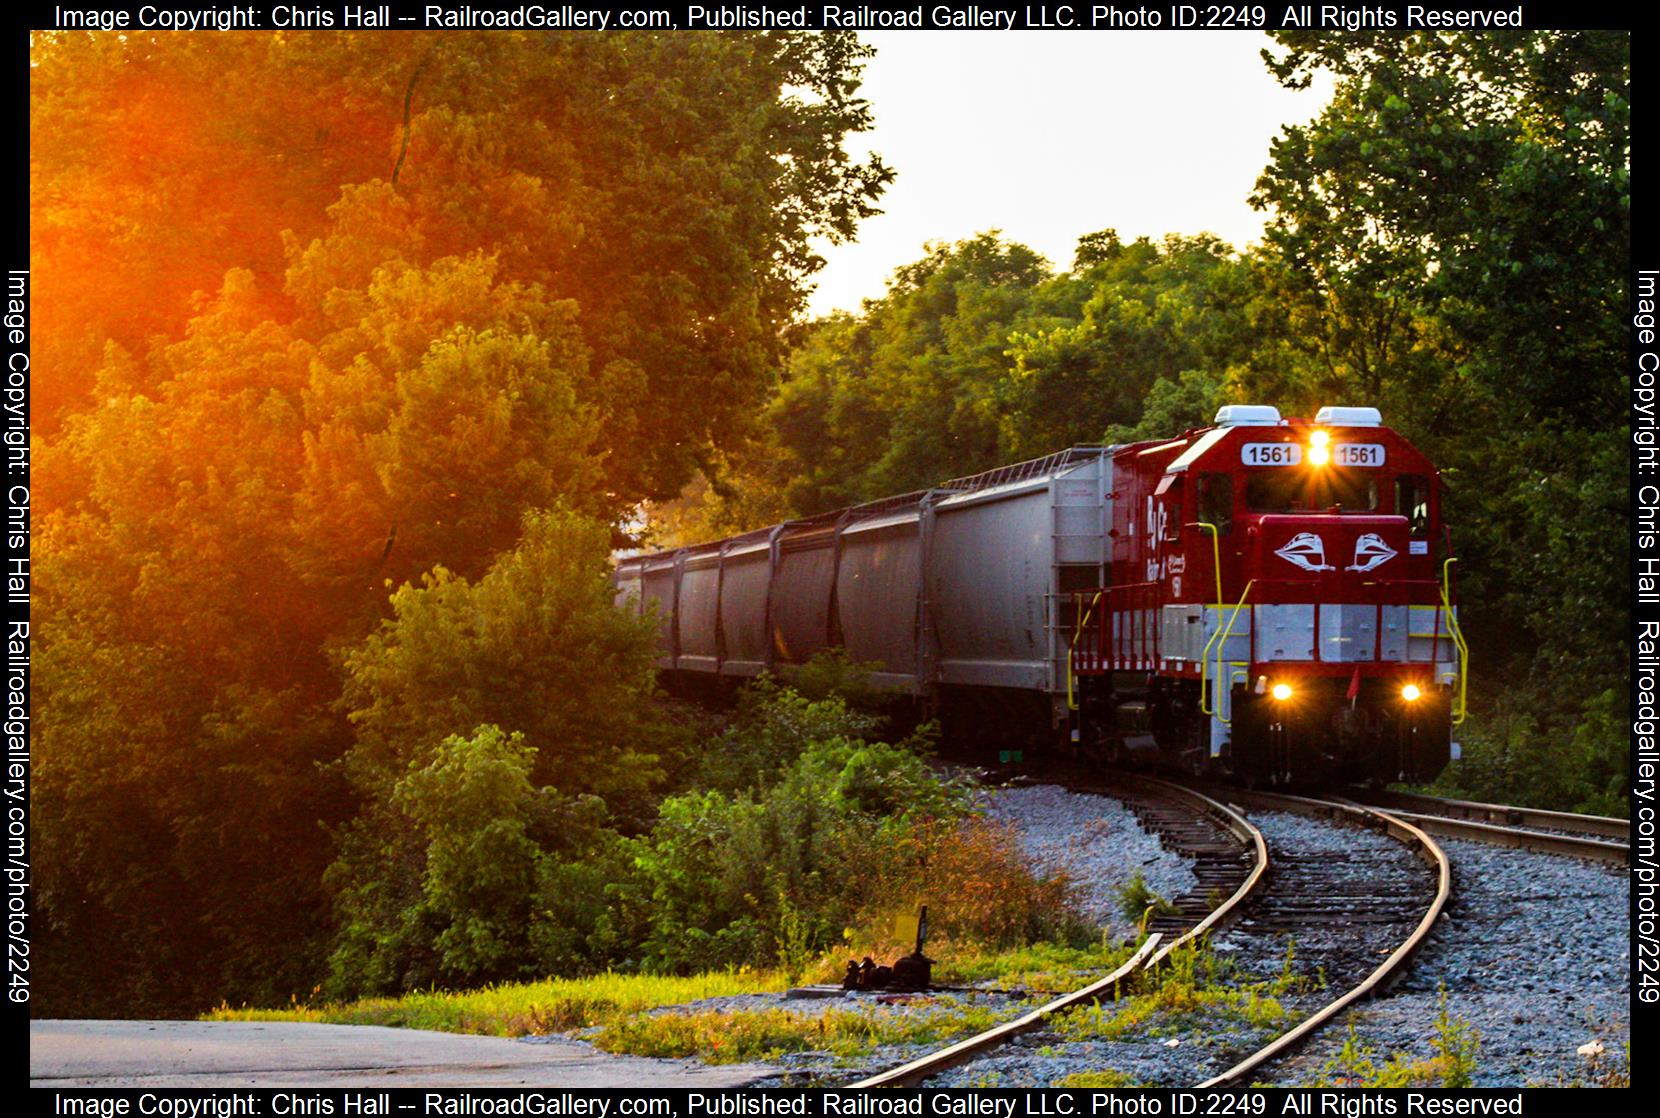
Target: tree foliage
{"points": [[331, 314], [980, 353]]}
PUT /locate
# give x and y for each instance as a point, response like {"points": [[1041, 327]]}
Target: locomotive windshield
{"points": [[1321, 490]]}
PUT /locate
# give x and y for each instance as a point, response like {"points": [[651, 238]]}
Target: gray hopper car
{"points": [[964, 591]]}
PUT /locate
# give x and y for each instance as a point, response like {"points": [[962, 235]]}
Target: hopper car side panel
{"points": [[746, 574], [878, 584]]}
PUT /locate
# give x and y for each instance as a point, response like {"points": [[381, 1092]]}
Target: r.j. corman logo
{"points": [[1371, 551], [1308, 551]]}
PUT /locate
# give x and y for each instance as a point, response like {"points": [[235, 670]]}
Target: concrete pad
{"points": [[291, 1054]]}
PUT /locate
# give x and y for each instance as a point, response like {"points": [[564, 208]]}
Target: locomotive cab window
{"points": [[1216, 501], [1412, 502], [1169, 494], [1325, 490]]}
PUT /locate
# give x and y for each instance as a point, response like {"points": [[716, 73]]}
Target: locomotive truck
{"points": [[1266, 598]]}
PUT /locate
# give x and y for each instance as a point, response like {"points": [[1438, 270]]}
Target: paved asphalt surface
{"points": [[285, 1054]]}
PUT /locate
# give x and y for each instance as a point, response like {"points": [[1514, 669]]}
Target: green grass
{"points": [[516, 1009], [1049, 967], [1195, 989], [729, 1038], [1104, 1078], [558, 1005]]}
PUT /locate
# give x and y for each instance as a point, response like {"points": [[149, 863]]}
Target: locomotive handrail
{"points": [[1216, 553], [1204, 660], [1458, 639], [1078, 631]]}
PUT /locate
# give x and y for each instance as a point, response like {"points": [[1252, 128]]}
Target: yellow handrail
{"points": [[1222, 634], [1215, 553], [1078, 631], [1463, 708]]}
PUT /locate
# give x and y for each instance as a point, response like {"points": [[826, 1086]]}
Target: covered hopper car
{"points": [[1267, 598]]}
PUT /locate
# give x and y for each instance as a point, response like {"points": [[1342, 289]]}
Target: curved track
{"points": [[1311, 890], [1153, 797]]}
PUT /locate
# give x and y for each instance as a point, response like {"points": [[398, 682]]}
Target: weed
{"points": [[1456, 1046], [1194, 985], [794, 939], [1138, 902], [1289, 981], [1107, 1077], [1049, 967]]}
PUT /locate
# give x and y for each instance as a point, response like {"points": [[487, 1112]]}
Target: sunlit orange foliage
{"points": [[977, 886]]}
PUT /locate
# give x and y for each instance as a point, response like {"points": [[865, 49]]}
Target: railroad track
{"points": [[1597, 838], [1344, 911], [1187, 820]]}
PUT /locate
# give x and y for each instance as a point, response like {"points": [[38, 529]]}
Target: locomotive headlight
{"points": [[1281, 691], [1319, 453], [1319, 438], [1410, 692]]}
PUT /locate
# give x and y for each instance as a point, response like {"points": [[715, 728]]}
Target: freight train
{"points": [[1269, 599]]}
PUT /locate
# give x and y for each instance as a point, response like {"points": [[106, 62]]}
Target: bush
{"points": [[846, 836], [493, 879], [773, 727], [831, 673], [1518, 753], [490, 719]]}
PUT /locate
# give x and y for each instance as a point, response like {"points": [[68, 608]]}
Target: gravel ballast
{"points": [[1535, 954], [1097, 842]]}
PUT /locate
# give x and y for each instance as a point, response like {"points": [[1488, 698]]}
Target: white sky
{"points": [[1049, 135]]}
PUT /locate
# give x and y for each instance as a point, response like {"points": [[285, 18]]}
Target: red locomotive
{"points": [[1279, 603]]}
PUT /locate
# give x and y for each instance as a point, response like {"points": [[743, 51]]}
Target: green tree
{"points": [[1146, 315], [481, 875], [535, 647]]}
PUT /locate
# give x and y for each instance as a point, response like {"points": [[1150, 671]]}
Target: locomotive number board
{"points": [[1291, 454], [1271, 454], [1358, 454]]}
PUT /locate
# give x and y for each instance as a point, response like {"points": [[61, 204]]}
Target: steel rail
{"points": [[1501, 815], [1426, 850], [1148, 956], [1518, 838]]}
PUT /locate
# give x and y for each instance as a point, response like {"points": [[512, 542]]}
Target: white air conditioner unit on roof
{"points": [[1349, 417], [1247, 415]]}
